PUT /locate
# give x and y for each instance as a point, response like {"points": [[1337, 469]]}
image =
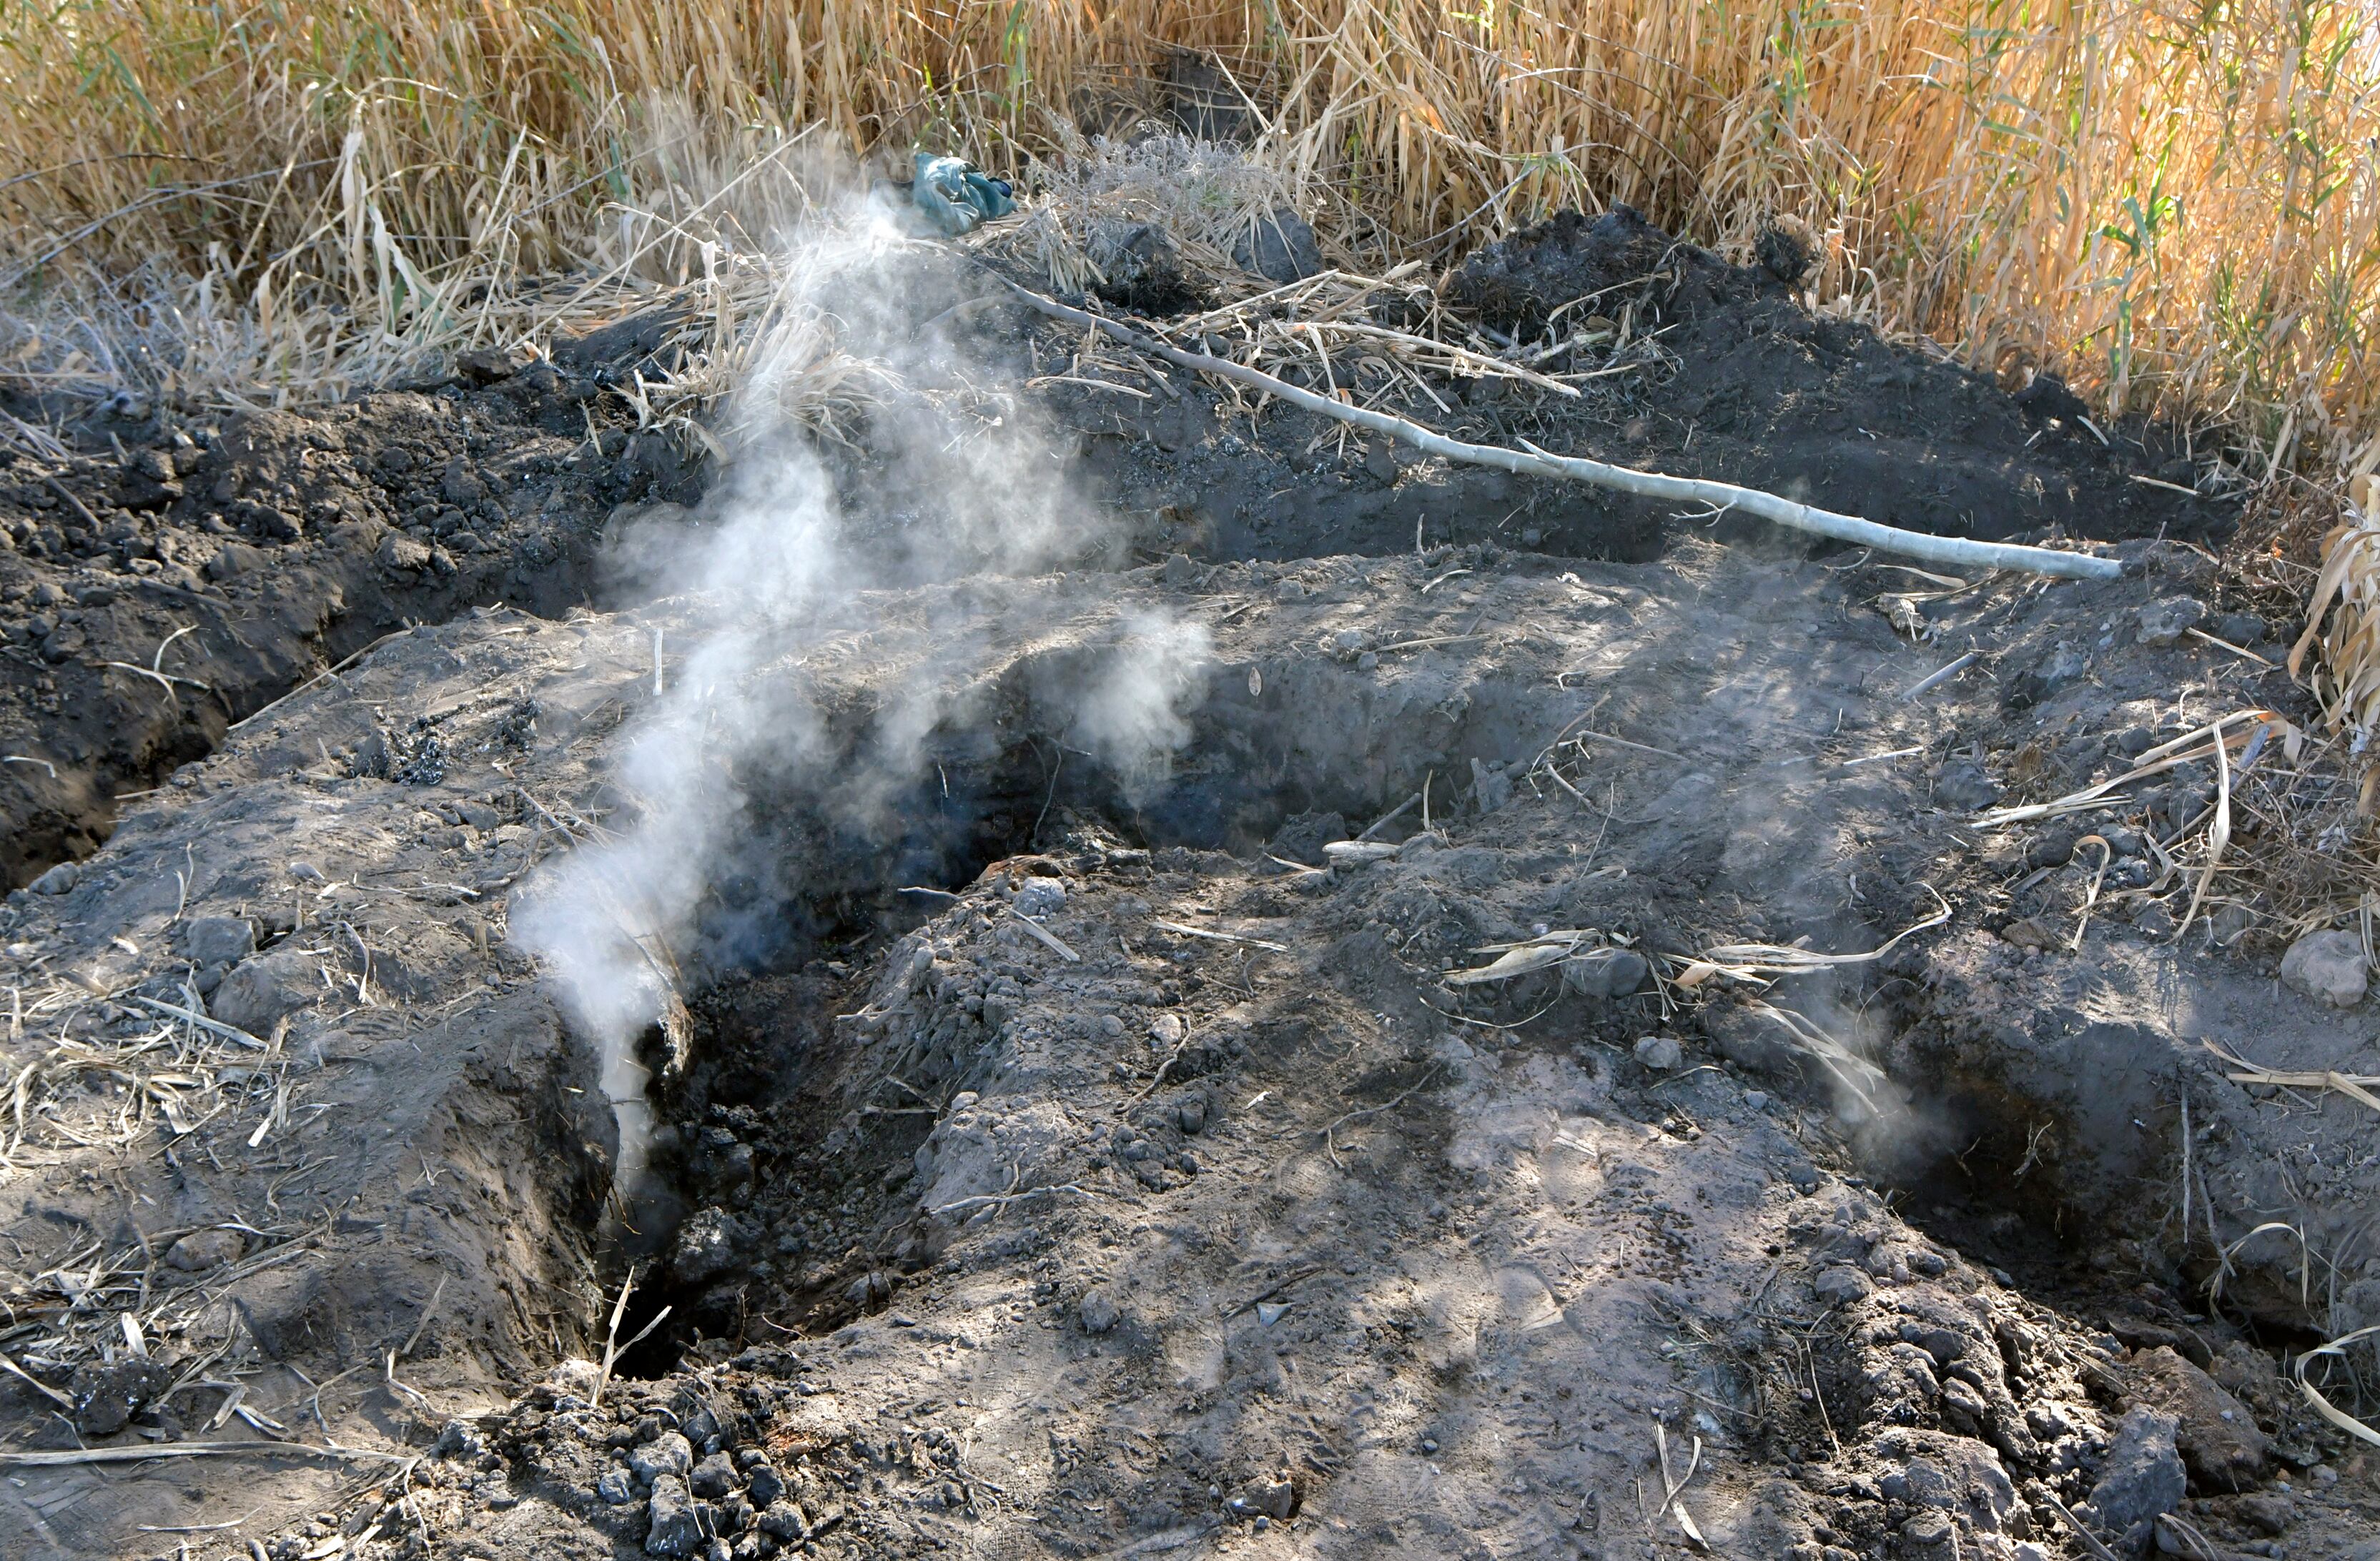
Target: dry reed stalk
{"points": [[1718, 497], [2343, 617]]}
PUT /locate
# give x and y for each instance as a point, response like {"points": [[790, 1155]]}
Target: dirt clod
{"points": [[2140, 1479], [2218, 1435], [107, 1397], [2327, 966]]}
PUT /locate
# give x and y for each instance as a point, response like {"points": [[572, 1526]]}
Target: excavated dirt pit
{"points": [[1069, 1155]]}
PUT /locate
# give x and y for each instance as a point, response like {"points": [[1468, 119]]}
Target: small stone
{"points": [[218, 940], [1099, 1311], [459, 1439], [1280, 246], [1843, 1284], [616, 1488], [2214, 1431], [668, 1455], [1756, 1099], [1038, 898], [2164, 623], [2061, 667], [58, 880], [767, 1486], [2032, 932], [781, 1522], [1166, 1029], [2230, 923], [714, 1476], [1192, 1115], [2326, 966], [1926, 1530], [676, 1527], [397, 551], [1660, 1053], [1961, 784], [485, 365], [2241, 628], [576, 1376], [1269, 1312], [2142, 1476], [1276, 1498], [2265, 1514], [202, 1250], [2053, 849], [1490, 789], [1605, 973]]}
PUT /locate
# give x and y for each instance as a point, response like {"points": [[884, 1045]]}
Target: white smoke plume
{"points": [[1135, 717], [780, 565]]}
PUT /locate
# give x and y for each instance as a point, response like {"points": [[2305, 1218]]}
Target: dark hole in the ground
{"points": [[818, 887], [658, 1347], [1986, 1179], [823, 899]]}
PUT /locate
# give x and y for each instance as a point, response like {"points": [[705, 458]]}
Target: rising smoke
{"points": [[780, 563]]}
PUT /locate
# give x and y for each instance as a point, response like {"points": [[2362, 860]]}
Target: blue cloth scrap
{"points": [[956, 197]]}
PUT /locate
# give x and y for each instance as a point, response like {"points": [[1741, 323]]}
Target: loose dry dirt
{"points": [[1082, 1163]]}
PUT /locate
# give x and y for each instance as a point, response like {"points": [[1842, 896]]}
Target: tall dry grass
{"points": [[2178, 202]]}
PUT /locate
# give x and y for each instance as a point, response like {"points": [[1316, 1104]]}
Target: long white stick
{"points": [[1650, 485]]}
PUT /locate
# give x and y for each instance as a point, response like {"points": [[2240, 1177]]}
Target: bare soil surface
{"points": [[172, 575], [1076, 1157]]}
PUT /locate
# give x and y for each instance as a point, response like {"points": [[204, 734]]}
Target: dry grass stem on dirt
{"points": [[1718, 497]]}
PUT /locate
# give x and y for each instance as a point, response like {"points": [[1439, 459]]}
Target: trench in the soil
{"points": [[1248, 768], [981, 798]]}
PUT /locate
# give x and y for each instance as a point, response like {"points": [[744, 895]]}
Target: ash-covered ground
{"points": [[1241, 992]]}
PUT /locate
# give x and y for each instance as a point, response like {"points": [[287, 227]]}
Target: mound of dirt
{"points": [[1573, 265], [170, 577], [1221, 1200], [1525, 1048], [1749, 386]]}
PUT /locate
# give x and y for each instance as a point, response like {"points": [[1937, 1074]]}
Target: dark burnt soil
{"points": [[234, 558], [1746, 385], [269, 547]]}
